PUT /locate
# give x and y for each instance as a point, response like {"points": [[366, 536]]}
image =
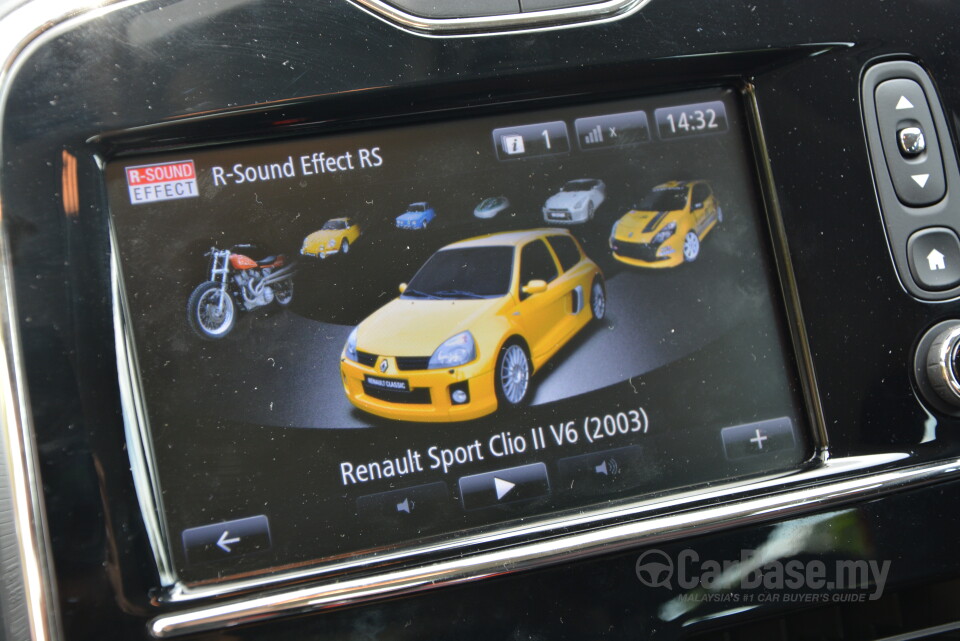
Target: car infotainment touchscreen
{"points": [[396, 336]]}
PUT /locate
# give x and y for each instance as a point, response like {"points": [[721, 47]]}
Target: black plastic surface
{"points": [[138, 65]]}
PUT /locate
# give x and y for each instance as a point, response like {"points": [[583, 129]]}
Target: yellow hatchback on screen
{"points": [[666, 228], [335, 237], [478, 319]]}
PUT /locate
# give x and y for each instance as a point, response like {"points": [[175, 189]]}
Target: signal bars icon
{"points": [[594, 137]]}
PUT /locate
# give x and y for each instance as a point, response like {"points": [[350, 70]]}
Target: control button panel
{"points": [[220, 541], [935, 258], [910, 142], [917, 178]]}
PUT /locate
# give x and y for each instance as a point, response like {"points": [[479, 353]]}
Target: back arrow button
{"points": [[217, 541]]}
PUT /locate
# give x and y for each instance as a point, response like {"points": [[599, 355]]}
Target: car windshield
{"points": [[417, 207], [579, 185], [468, 272], [334, 224], [664, 200]]}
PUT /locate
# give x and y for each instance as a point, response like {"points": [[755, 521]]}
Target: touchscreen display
{"points": [[401, 335]]}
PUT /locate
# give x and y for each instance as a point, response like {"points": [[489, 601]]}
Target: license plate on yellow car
{"points": [[391, 384]]}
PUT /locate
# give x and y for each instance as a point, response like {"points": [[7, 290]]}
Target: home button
{"points": [[934, 255]]}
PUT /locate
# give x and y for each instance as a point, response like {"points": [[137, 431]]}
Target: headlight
{"points": [[350, 350], [581, 203], [332, 243], [453, 352], [665, 233]]}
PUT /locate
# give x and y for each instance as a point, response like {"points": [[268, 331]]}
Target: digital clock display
{"points": [[691, 120]]}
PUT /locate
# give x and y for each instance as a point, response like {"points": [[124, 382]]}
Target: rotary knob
{"points": [[943, 363]]}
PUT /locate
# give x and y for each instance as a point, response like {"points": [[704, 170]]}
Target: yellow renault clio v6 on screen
{"points": [[478, 319], [665, 229]]}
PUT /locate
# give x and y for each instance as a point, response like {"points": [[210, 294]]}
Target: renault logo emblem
{"points": [[383, 366]]}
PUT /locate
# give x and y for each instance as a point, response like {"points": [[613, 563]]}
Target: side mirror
{"points": [[534, 287], [403, 287]]}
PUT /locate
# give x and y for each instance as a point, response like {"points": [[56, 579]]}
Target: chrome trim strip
{"points": [[788, 279], [569, 548], [136, 427], [35, 585], [598, 12]]}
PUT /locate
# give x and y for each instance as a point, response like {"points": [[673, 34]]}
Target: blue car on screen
{"points": [[417, 216]]}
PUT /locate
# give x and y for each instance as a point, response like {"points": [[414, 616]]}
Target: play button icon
{"points": [[502, 487]]}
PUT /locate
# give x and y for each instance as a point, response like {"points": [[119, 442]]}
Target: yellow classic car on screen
{"points": [[335, 237], [478, 319], [666, 228]]}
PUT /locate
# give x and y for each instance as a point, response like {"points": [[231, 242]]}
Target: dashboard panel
{"points": [[200, 201]]}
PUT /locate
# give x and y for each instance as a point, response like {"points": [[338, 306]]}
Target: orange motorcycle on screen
{"points": [[237, 283]]}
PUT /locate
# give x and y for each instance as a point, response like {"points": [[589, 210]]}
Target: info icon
{"points": [[512, 144]]}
